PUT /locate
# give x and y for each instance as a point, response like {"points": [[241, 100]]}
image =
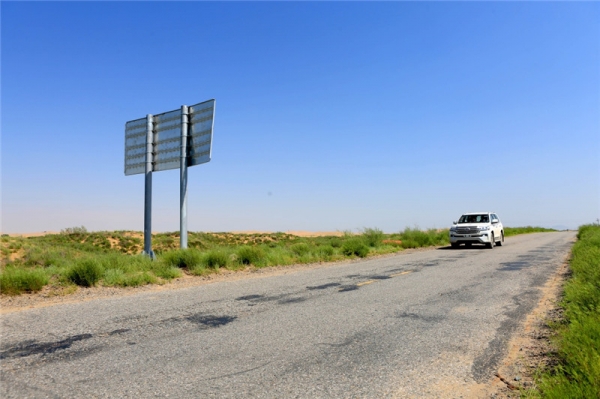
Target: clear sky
{"points": [[330, 115]]}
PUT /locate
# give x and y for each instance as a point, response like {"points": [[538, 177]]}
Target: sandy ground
{"points": [[38, 234]]}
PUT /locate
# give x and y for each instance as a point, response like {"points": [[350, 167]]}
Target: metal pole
{"points": [[183, 179], [148, 193]]}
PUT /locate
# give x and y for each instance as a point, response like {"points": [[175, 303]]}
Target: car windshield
{"points": [[474, 219]]}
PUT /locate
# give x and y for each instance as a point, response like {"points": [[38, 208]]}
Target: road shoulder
{"points": [[529, 347]]}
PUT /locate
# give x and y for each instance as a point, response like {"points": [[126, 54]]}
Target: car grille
{"points": [[467, 230]]}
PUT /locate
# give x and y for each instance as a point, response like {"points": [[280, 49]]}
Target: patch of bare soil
{"points": [[529, 349]]}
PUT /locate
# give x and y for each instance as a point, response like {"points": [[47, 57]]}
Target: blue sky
{"points": [[330, 115]]}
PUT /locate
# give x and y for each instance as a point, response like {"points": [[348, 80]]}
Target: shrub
{"points": [[183, 258], [279, 256], [373, 237], [355, 246], [14, 281], [86, 272], [415, 238], [325, 251], [335, 242], [300, 248], [215, 259], [247, 255]]}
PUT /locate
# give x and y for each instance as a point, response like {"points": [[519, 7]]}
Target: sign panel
{"points": [[167, 140], [163, 142], [201, 121], [135, 147]]}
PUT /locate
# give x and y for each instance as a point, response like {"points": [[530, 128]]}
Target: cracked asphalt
{"points": [[432, 323]]}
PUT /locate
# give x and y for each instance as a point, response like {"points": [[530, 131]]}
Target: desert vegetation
{"points": [[78, 258]]}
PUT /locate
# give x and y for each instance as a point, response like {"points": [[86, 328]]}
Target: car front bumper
{"points": [[482, 238]]}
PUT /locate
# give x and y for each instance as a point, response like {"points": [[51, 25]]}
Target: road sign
{"points": [[135, 147], [171, 140], [166, 139], [201, 121]]}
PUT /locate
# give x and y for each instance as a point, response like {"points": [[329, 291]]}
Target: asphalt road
{"points": [[431, 323]]}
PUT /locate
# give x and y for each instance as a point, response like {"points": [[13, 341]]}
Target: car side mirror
{"points": [[494, 221], [455, 222]]}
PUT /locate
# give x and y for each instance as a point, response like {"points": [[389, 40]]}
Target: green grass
{"points": [[248, 255], [86, 272], [415, 238], [76, 257], [577, 373], [15, 281], [513, 231], [183, 258], [373, 237], [215, 259], [355, 246]]}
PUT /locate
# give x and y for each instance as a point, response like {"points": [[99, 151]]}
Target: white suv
{"points": [[479, 227]]}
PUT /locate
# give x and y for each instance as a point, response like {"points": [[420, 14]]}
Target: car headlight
{"points": [[453, 229], [484, 228]]}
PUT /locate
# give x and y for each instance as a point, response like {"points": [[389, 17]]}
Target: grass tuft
{"points": [[183, 258], [15, 281], [247, 255], [300, 248], [215, 259], [86, 272], [355, 247], [373, 237]]}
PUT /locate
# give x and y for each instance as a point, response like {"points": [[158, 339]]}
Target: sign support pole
{"points": [[183, 231], [148, 192]]}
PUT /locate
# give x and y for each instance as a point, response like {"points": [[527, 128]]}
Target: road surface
{"points": [[432, 323]]}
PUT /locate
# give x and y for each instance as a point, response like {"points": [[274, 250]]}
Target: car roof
{"points": [[476, 213]]}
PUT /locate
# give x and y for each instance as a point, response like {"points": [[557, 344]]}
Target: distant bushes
{"points": [[74, 230]]}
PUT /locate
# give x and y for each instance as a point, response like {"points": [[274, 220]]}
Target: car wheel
{"points": [[454, 245], [492, 242], [501, 242]]}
